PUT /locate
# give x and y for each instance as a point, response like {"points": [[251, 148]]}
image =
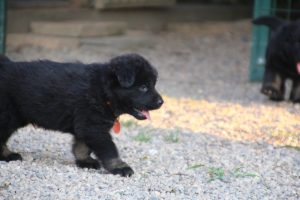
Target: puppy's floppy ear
{"points": [[124, 70], [125, 75], [272, 22]]}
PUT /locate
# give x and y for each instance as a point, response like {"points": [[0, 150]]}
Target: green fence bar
{"points": [[2, 25], [260, 37]]}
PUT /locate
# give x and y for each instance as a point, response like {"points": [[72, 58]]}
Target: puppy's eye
{"points": [[143, 88]]}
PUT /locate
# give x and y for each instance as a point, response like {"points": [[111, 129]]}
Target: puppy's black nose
{"points": [[160, 102]]}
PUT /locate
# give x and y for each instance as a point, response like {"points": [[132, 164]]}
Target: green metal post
{"points": [[2, 25], [260, 37], [289, 9]]}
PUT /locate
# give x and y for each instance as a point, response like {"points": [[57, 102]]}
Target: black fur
{"points": [[282, 56], [81, 99]]}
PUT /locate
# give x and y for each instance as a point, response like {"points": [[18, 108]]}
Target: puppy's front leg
{"points": [[295, 93], [273, 84], [105, 149], [82, 155]]}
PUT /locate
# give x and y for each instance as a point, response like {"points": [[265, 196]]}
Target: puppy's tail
{"points": [[272, 22], [3, 58]]}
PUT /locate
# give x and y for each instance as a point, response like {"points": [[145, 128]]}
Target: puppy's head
{"points": [[134, 87]]}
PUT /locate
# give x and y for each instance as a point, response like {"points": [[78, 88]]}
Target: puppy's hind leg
{"points": [[7, 155], [273, 84], [295, 92], [7, 127], [82, 155]]}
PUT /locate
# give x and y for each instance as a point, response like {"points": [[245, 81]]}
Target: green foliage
{"points": [[196, 166], [216, 173], [292, 147], [238, 173], [172, 137], [129, 123], [142, 137]]}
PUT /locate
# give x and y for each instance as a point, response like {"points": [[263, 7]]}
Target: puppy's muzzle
{"points": [[159, 102]]}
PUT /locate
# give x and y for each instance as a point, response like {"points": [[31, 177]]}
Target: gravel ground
{"points": [[216, 137]]}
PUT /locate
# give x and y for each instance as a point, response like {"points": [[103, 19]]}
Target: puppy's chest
{"points": [[99, 114]]}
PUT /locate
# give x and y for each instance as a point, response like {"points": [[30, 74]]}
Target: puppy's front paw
{"points": [[124, 171], [295, 99], [272, 93], [11, 157], [117, 166], [295, 96], [89, 163]]}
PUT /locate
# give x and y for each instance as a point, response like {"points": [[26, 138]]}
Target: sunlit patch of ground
{"points": [[255, 122]]}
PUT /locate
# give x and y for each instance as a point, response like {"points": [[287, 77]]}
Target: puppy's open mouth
{"points": [[298, 67], [141, 114]]}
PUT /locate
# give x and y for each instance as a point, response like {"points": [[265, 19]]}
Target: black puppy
{"points": [[84, 100], [282, 58]]}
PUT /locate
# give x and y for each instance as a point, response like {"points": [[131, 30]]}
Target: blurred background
{"points": [[25, 16]]}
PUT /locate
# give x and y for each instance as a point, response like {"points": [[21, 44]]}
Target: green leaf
{"points": [[196, 166]]}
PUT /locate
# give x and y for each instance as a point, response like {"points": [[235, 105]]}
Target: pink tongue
{"points": [[146, 114], [298, 68]]}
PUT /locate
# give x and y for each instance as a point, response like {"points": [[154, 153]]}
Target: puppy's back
{"points": [[3, 58]]}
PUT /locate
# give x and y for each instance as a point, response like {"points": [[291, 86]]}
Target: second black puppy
{"points": [[84, 100], [282, 58]]}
